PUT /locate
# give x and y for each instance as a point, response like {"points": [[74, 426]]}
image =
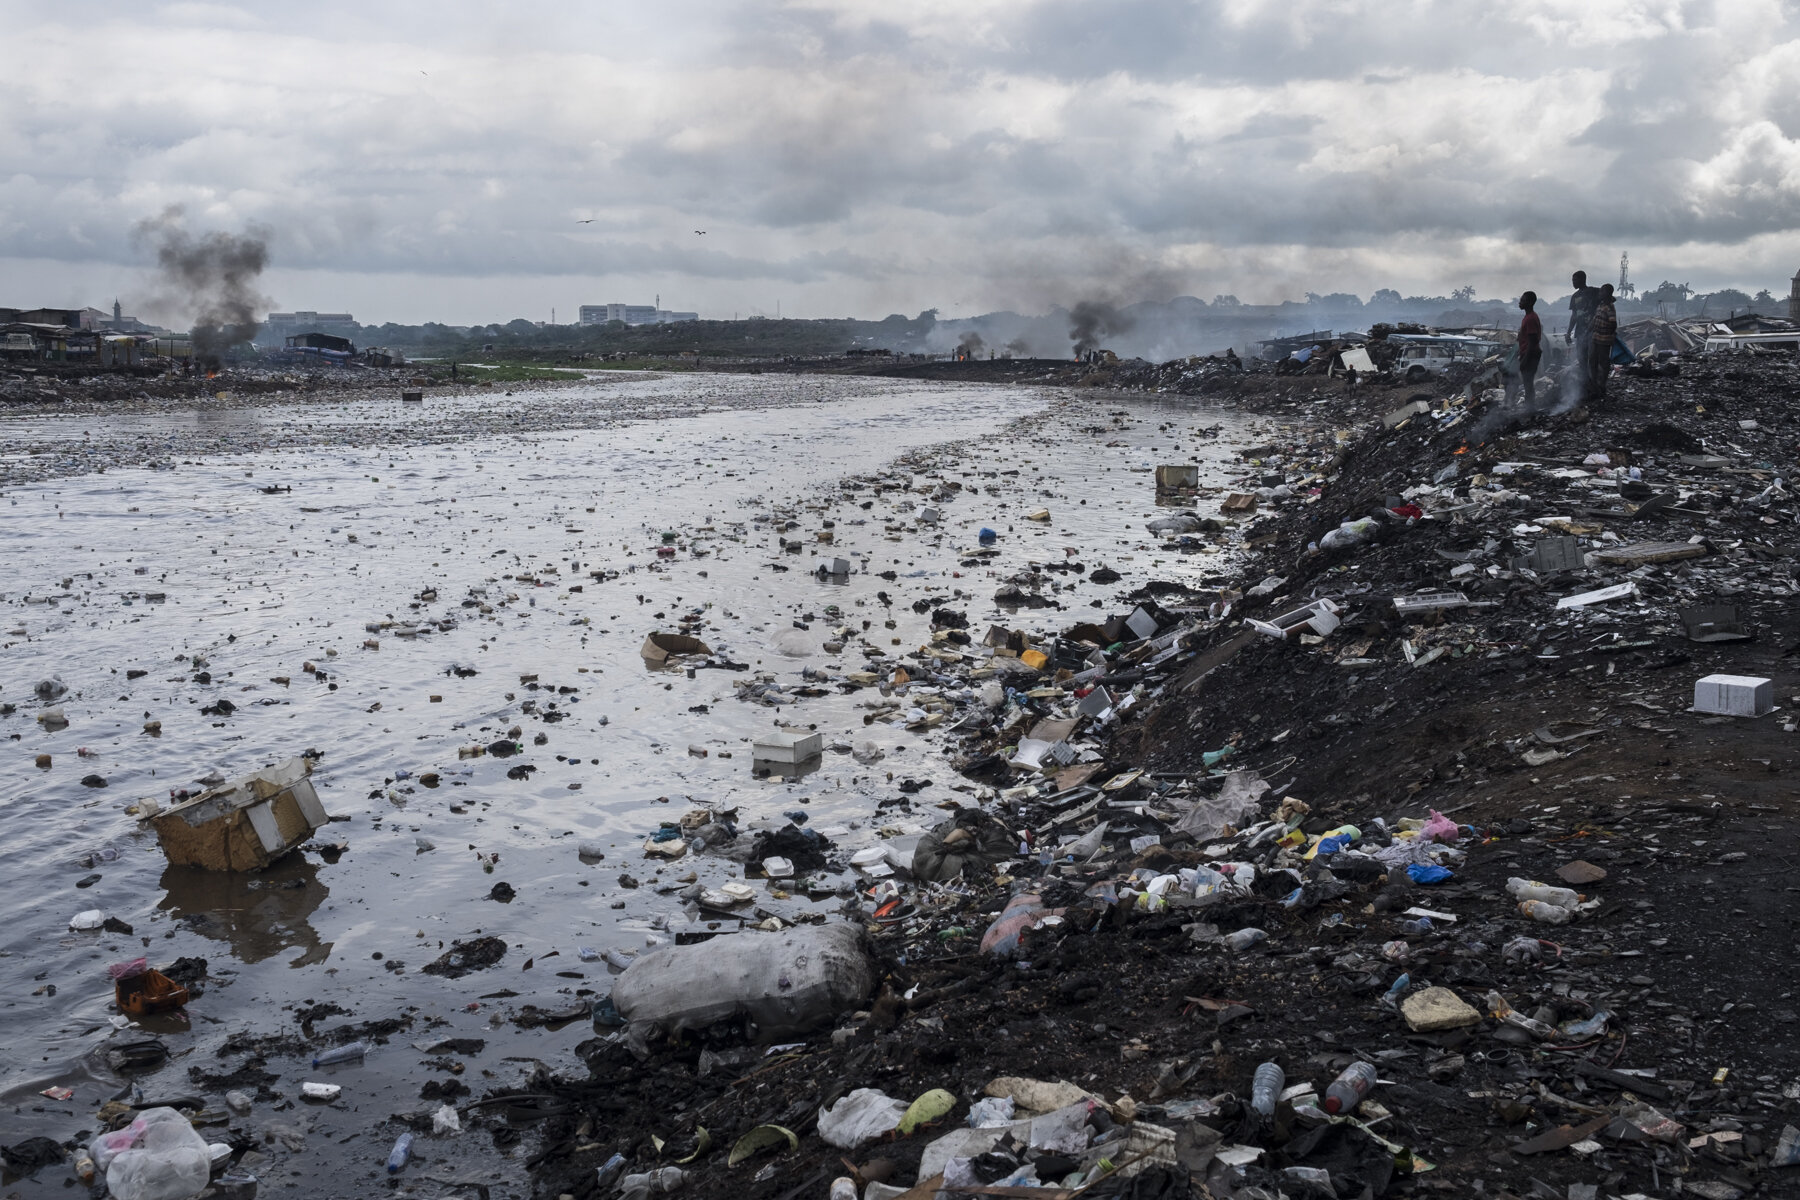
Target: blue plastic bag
{"points": [[1424, 873]]}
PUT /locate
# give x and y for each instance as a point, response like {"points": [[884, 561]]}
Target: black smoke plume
{"points": [[971, 344], [212, 277], [1091, 320]]}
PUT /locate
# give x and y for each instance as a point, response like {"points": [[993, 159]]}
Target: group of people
{"points": [[1593, 327]]}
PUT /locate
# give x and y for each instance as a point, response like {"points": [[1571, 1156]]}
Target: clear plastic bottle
{"points": [[400, 1153], [1525, 889], [341, 1054], [1348, 1090], [1265, 1086], [1549, 914], [1243, 939]]}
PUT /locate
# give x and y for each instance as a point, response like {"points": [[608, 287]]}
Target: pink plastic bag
{"points": [[1022, 912], [1438, 828]]}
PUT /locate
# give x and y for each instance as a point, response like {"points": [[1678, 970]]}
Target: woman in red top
{"points": [[1531, 346]]}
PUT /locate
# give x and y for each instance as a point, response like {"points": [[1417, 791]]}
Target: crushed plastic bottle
{"points": [[1391, 997], [1508, 1015], [1265, 1086], [652, 1183], [1525, 889], [1549, 914], [1592, 1027], [341, 1054], [1350, 1088], [1243, 939], [400, 1153]]}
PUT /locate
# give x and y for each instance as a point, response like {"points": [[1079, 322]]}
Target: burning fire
{"points": [[1462, 449]]}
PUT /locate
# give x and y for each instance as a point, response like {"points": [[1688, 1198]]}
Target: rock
{"points": [[1437, 1008]]}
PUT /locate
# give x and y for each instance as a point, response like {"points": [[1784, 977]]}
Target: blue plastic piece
{"points": [[1424, 873]]}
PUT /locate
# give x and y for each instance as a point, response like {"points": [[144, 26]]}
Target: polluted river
{"points": [[445, 608]]}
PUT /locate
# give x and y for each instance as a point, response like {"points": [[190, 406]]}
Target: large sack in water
{"points": [[971, 836], [787, 983]]}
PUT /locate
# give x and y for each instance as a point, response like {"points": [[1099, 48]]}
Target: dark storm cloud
{"points": [[988, 149]]}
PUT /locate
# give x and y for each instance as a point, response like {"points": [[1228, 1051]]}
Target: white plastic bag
{"points": [[859, 1118], [165, 1158], [992, 1112], [787, 983]]}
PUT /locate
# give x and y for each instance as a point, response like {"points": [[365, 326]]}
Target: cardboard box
{"points": [[244, 825], [788, 746], [1734, 695]]}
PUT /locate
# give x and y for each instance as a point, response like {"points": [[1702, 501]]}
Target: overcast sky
{"points": [[417, 161]]}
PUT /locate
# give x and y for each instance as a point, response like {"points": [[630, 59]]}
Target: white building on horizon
{"points": [[632, 314]]}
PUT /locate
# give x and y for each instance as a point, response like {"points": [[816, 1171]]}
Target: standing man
{"points": [[1581, 321], [1604, 328], [1531, 347]]}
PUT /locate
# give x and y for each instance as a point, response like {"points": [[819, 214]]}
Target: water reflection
{"points": [[259, 915]]}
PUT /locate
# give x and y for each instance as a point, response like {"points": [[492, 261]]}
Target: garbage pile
{"points": [[1379, 866]]}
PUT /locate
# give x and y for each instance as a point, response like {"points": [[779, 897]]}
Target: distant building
{"points": [[120, 323], [1794, 299], [279, 326], [632, 314], [71, 318]]}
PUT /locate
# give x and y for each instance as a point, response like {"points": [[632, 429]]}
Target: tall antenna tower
{"points": [[1626, 291]]}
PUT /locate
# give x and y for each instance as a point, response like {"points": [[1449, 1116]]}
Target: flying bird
{"points": [[700, 232], [586, 220]]}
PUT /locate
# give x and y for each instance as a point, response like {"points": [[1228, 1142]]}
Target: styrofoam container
{"points": [[788, 746], [1734, 695]]}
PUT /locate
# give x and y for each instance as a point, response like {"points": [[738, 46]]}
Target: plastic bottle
{"points": [[652, 1183], [1525, 889], [1414, 928], [1549, 914], [1392, 995], [84, 1167], [610, 1170], [1243, 939], [1265, 1086], [400, 1153], [342, 1054], [1348, 1090]]}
